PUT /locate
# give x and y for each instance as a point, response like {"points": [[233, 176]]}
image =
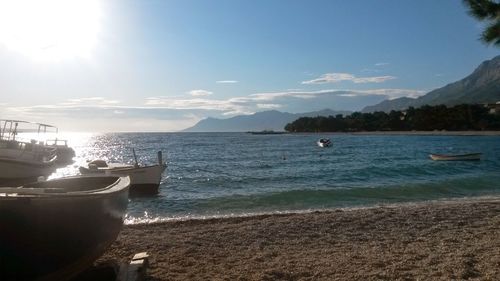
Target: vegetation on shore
{"points": [[426, 118]]}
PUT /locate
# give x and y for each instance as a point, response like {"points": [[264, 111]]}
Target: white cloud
{"points": [[199, 93], [390, 93], [393, 93], [192, 108], [90, 101], [295, 94], [381, 64], [377, 79], [226, 82], [348, 95], [269, 105], [237, 105], [339, 77], [238, 112]]}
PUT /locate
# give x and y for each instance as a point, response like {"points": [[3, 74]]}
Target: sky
{"points": [[163, 65]]}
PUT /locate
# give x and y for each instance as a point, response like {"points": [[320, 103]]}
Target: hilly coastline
{"points": [[265, 120], [482, 86]]}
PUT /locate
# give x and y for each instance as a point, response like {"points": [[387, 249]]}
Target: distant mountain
{"points": [[265, 120], [482, 86]]}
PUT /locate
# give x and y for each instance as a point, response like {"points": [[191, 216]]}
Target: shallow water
{"points": [[223, 174]]}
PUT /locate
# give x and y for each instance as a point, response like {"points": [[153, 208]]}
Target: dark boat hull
{"points": [[12, 169], [54, 238], [458, 157], [142, 190]]}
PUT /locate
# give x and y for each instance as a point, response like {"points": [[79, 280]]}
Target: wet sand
{"points": [[428, 241]]}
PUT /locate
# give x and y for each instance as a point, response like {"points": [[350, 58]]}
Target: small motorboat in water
{"points": [[53, 230], [323, 142], [144, 180], [456, 157]]}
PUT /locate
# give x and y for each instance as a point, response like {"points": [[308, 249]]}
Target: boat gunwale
{"points": [[456, 155], [42, 163], [119, 169], [122, 182]]}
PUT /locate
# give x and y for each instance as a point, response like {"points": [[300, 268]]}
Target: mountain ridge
{"points": [[259, 121], [481, 86]]}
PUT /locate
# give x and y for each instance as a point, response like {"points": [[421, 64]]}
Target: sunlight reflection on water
{"points": [[226, 174], [82, 143]]}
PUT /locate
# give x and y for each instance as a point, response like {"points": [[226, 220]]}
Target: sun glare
{"points": [[50, 30]]}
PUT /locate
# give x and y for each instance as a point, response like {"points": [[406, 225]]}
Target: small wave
{"points": [[301, 200], [148, 219]]}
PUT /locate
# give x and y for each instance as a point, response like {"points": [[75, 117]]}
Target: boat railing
{"points": [[27, 150], [56, 142], [20, 135], [9, 129]]}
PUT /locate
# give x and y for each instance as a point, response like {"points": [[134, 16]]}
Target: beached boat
{"points": [[324, 142], [53, 230], [144, 179], [23, 160], [456, 157]]}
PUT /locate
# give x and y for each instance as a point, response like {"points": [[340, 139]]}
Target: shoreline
{"points": [[160, 220], [449, 239], [432, 133], [409, 133]]}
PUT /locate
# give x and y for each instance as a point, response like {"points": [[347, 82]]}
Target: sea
{"points": [[239, 174]]}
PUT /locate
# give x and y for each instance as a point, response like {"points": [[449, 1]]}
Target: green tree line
{"points": [[426, 118]]}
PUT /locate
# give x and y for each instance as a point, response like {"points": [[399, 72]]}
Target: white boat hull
{"points": [[143, 180], [323, 144]]}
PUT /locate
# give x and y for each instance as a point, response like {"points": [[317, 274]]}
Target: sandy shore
{"points": [[428, 241]]}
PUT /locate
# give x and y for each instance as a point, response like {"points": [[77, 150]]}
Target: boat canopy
{"points": [[10, 128]]}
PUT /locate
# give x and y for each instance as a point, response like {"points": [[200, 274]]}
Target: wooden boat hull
{"points": [[144, 180], [54, 236], [460, 157], [16, 169]]}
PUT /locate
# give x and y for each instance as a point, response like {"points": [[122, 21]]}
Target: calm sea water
{"points": [[224, 174]]}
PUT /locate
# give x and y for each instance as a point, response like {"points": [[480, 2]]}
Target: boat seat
{"points": [[54, 190], [98, 163]]}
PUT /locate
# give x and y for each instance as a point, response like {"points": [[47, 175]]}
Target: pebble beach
{"points": [[438, 240]]}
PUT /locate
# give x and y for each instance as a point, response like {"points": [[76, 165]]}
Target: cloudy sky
{"points": [[162, 65]]}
